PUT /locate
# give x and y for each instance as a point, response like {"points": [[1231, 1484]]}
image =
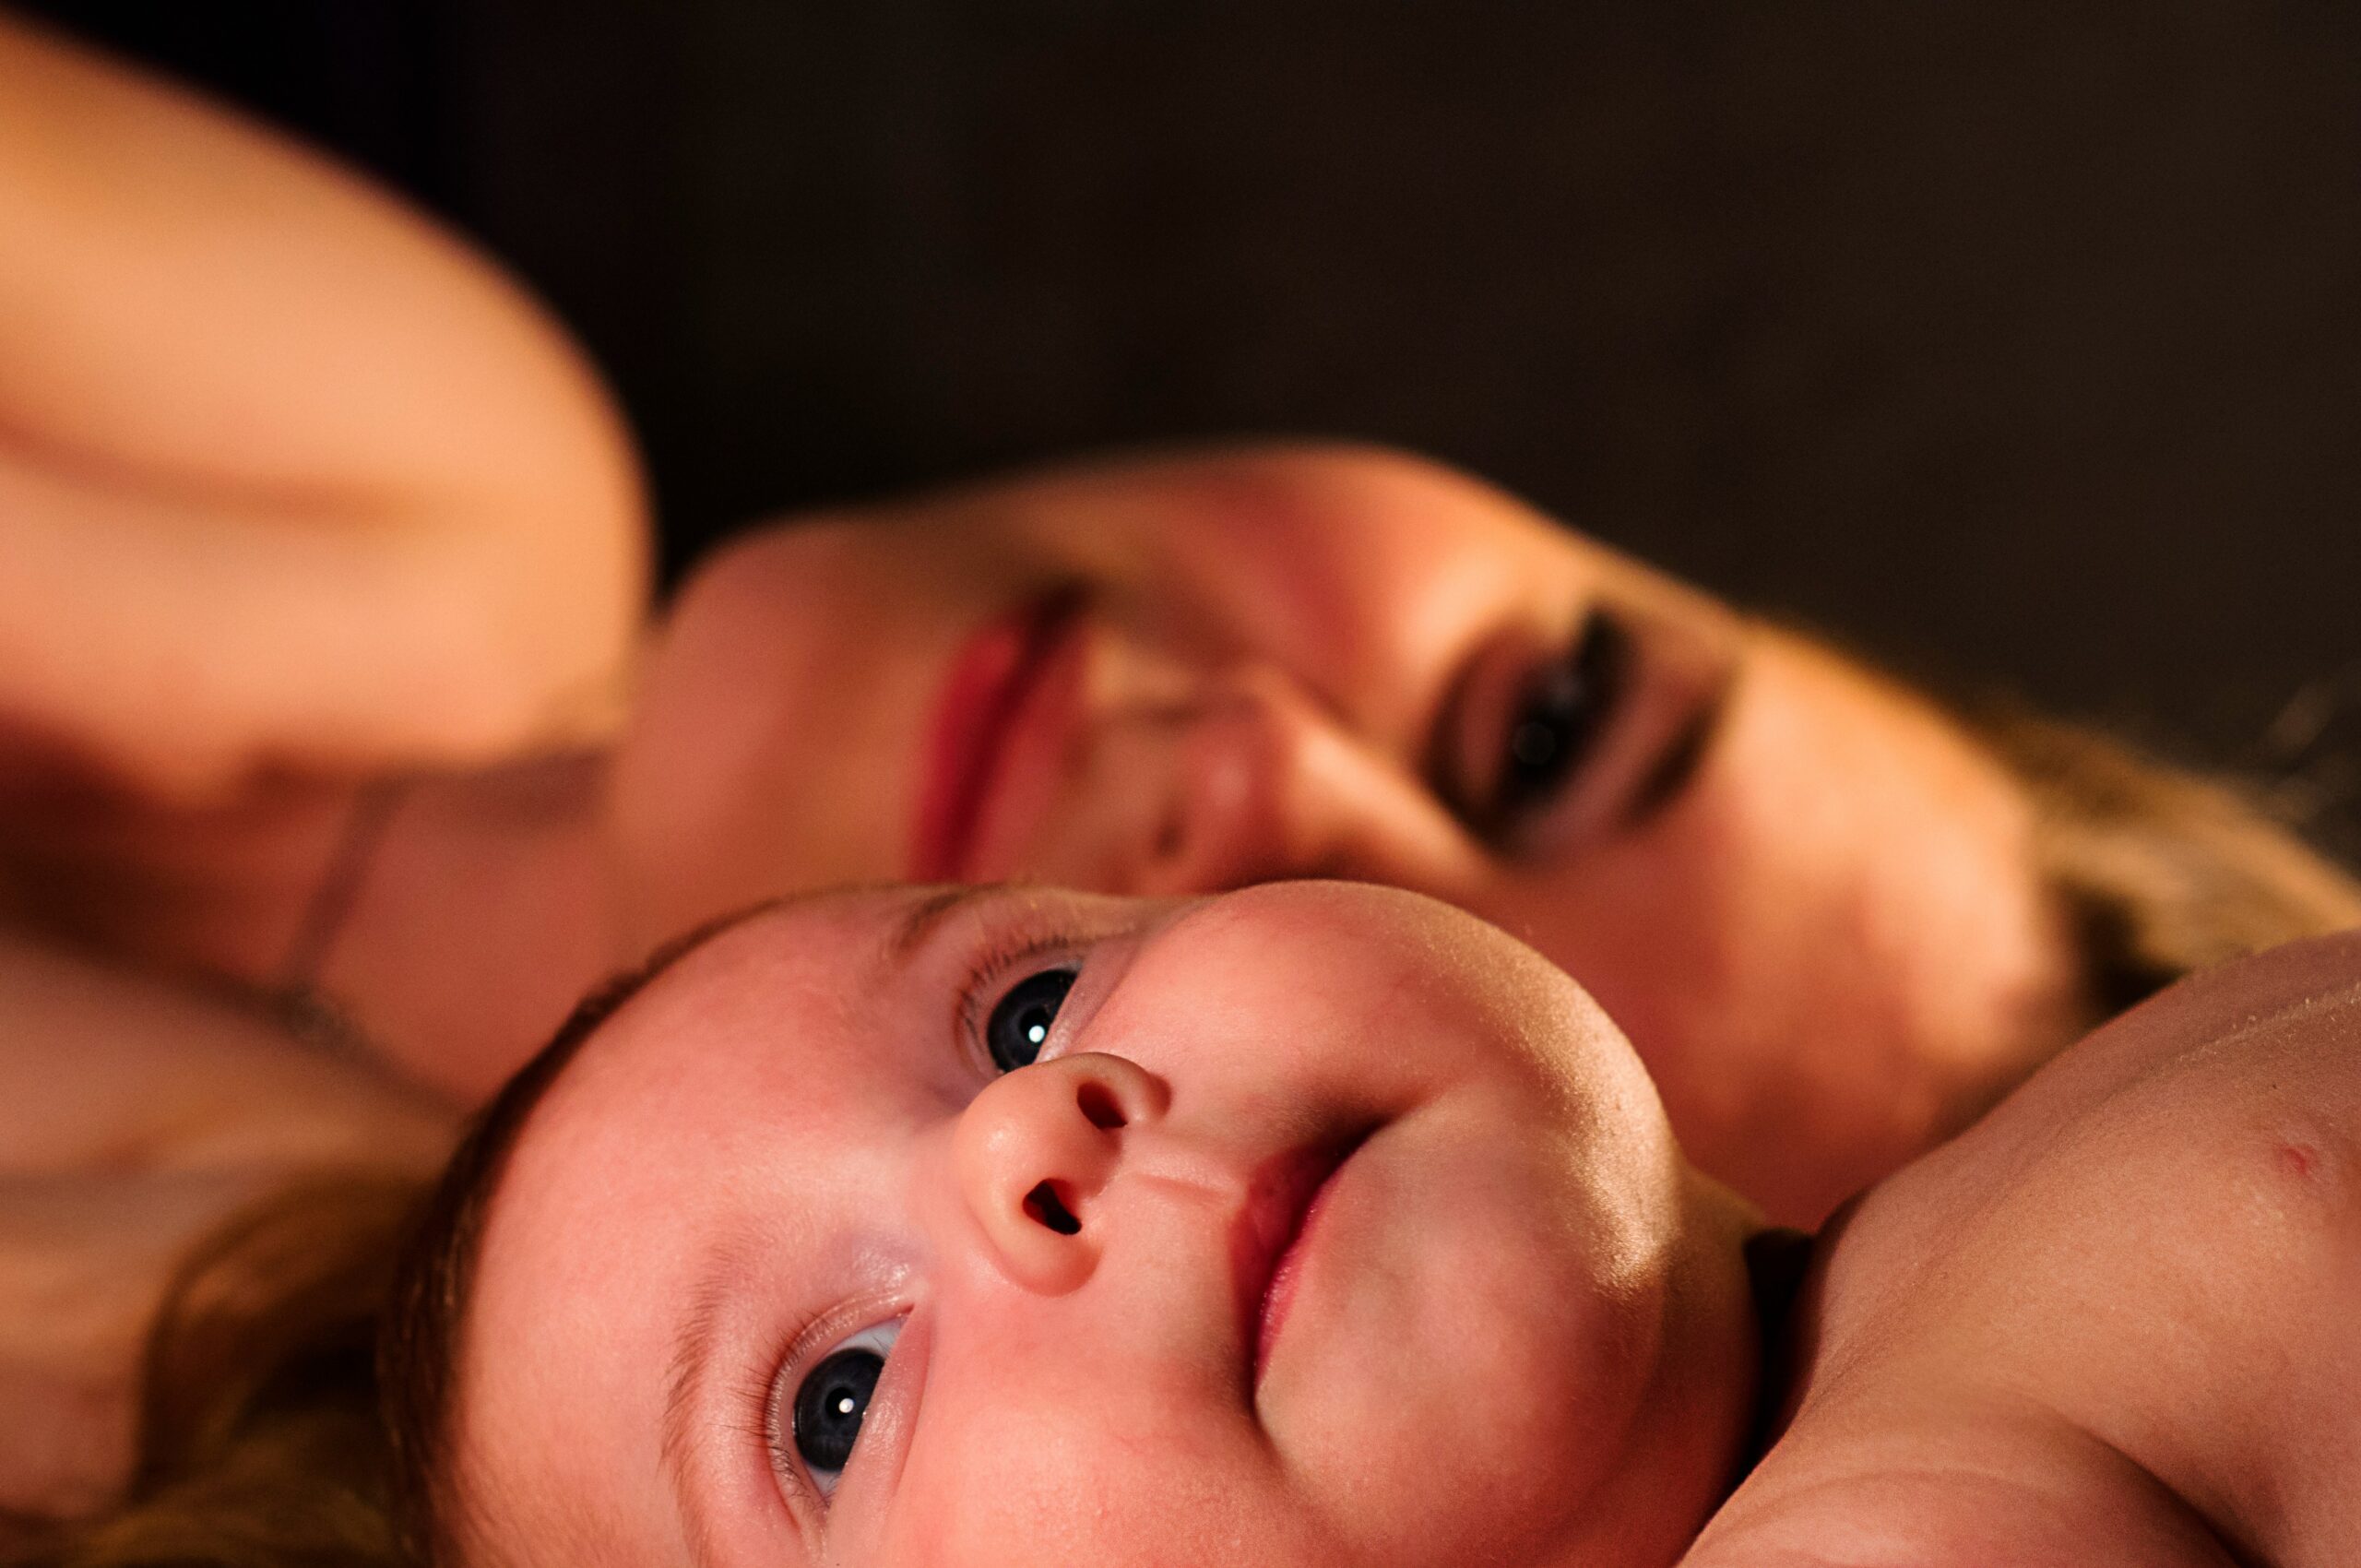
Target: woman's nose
{"points": [[1271, 783], [1035, 1154]]}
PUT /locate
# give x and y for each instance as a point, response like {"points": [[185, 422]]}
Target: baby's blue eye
{"points": [[833, 1401], [1019, 1025]]}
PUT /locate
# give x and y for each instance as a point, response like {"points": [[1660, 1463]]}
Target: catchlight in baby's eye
{"points": [[1019, 1025], [833, 1400]]}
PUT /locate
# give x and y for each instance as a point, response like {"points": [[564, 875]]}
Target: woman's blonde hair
{"points": [[297, 1392], [2160, 871]]}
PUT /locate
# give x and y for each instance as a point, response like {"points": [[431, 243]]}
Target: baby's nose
{"points": [[1035, 1150]]}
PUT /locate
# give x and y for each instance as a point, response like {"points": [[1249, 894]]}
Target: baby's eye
{"points": [[1019, 1024], [833, 1399]]}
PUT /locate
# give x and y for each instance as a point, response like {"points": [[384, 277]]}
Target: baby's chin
{"points": [[1566, 1120], [1624, 1391], [1695, 1424]]}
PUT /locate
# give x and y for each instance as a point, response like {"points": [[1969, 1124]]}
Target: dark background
{"points": [[2018, 340]]}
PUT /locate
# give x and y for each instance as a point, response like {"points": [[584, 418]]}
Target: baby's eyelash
{"points": [[762, 1396], [1020, 943]]}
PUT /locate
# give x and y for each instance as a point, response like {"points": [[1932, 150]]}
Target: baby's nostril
{"points": [[1099, 1107], [1046, 1208]]}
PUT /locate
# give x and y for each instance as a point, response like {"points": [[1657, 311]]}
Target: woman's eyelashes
{"points": [[1555, 719], [1019, 1023], [825, 1416]]}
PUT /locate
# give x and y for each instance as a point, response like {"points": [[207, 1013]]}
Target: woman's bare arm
{"points": [[288, 479]]}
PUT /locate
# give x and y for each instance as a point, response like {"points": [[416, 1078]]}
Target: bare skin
{"points": [[290, 480], [2111, 1325], [293, 491]]}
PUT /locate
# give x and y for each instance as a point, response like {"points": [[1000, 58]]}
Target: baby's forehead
{"points": [[769, 976], [738, 1032], [819, 1002], [841, 936]]}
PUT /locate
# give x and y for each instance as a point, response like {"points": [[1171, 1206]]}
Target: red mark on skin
{"points": [[2299, 1160]]}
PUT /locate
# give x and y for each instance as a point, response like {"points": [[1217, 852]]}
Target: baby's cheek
{"points": [[1120, 1486]]}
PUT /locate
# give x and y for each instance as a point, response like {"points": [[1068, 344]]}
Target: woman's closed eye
{"points": [[829, 1405], [1523, 731]]}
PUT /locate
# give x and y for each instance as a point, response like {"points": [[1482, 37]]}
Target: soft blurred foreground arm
{"points": [[288, 479]]}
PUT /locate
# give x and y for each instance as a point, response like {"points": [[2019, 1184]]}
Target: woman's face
{"points": [[1808, 898], [1315, 1225]]}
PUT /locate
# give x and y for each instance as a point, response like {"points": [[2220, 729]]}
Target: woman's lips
{"points": [[982, 697], [1270, 1237]]}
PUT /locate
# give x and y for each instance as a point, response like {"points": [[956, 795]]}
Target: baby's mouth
{"points": [[1268, 1238]]}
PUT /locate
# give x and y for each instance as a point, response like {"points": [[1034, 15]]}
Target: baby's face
{"points": [[1313, 1225]]}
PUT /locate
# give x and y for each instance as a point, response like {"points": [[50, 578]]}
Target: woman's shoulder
{"points": [[107, 1068]]}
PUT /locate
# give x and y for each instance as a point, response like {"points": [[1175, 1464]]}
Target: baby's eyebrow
{"points": [[692, 1350], [923, 919], [436, 1279], [704, 1320]]}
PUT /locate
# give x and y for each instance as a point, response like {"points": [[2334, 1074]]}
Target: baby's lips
{"points": [[1266, 1234]]}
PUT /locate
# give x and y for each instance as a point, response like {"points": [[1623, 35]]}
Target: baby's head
{"points": [[1317, 1224]]}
